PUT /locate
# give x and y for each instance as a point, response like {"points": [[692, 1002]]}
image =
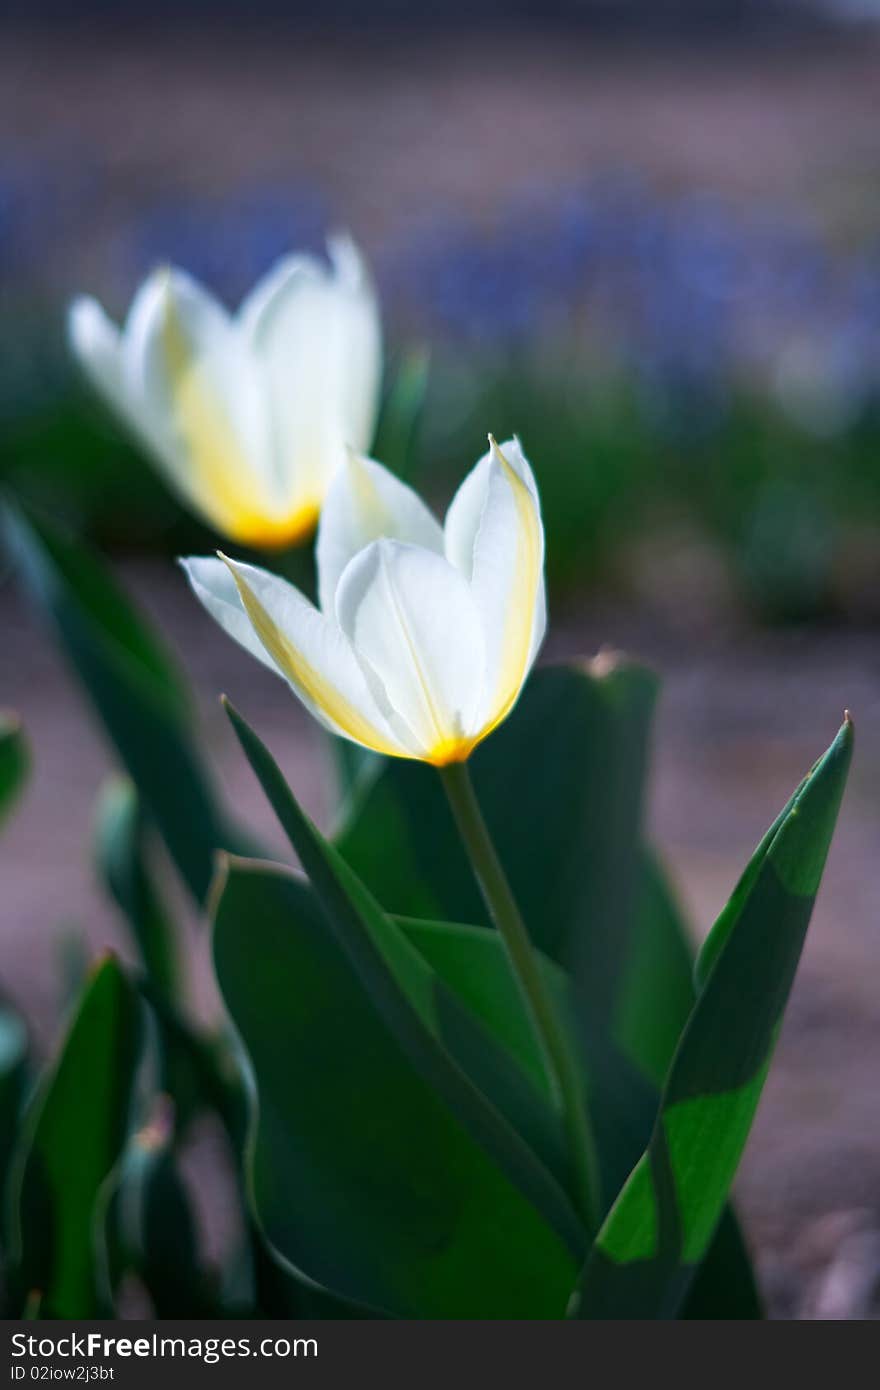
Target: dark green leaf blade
{"points": [[656, 988], [133, 687], [473, 964], [75, 1130], [657, 996], [622, 1104], [14, 761], [447, 1042], [572, 860], [724, 1286], [661, 1225], [362, 1176]]}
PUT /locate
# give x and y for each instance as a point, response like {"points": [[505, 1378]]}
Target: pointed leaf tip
{"points": [[800, 847], [107, 960], [796, 844]]}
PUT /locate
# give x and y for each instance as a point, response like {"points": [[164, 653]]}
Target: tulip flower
{"points": [[248, 416], [425, 634]]}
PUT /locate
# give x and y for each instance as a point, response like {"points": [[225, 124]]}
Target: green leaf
{"points": [[14, 761], [363, 1177], [661, 1225], [397, 436], [133, 687], [75, 1130], [121, 854], [446, 1041], [656, 999], [473, 963], [656, 987], [567, 825], [724, 1286]]}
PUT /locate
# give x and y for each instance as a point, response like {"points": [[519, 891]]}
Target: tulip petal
{"points": [[494, 536], [97, 345], [366, 502], [466, 508], [315, 334], [214, 586], [316, 658], [185, 361], [413, 623], [100, 349]]}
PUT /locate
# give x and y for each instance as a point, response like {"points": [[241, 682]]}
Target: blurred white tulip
{"points": [[248, 416]]}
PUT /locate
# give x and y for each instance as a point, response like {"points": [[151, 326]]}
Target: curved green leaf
{"points": [[657, 996], [724, 1286], [134, 689], [656, 987], [473, 963], [662, 1223], [75, 1130], [567, 826], [363, 1176], [448, 1042]]}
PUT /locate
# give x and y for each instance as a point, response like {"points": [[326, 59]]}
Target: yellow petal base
{"points": [[268, 533], [452, 750]]}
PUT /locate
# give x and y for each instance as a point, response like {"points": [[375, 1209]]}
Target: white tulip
{"points": [[425, 634], [248, 416]]}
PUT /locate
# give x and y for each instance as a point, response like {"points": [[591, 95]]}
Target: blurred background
{"points": [[644, 236]]}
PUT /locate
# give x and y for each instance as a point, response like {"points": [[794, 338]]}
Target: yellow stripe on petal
{"points": [[315, 686], [516, 642], [222, 478]]}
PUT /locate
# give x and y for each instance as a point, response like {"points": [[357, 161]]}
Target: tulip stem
{"points": [[551, 1035]]}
